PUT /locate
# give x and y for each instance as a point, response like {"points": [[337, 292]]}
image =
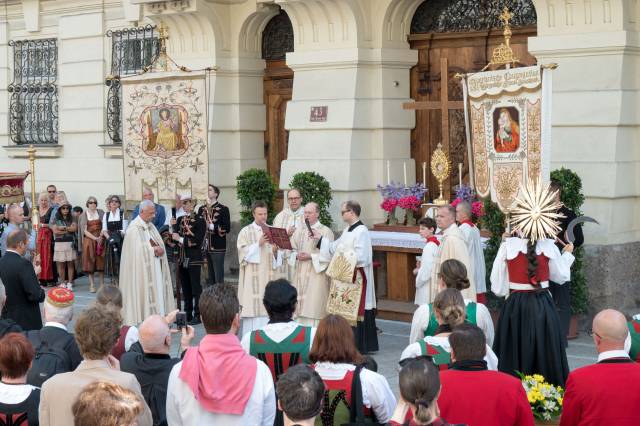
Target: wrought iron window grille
{"points": [[132, 49], [33, 102]]}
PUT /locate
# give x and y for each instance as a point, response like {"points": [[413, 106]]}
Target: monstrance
{"points": [[440, 167]]}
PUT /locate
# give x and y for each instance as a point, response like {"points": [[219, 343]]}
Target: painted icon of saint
{"points": [[507, 137], [166, 136]]}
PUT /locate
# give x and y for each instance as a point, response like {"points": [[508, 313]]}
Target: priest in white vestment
{"points": [[145, 278], [452, 246], [290, 218], [356, 236], [472, 238], [259, 262], [309, 277]]}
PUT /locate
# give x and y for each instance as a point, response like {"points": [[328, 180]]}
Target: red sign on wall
{"points": [[319, 114]]}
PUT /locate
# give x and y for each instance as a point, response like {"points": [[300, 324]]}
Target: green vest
{"points": [[279, 356], [440, 356], [634, 331], [472, 308]]}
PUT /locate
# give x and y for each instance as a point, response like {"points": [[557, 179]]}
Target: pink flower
{"points": [[388, 204], [477, 209], [409, 203]]}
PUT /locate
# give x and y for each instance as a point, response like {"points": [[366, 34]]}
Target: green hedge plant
{"points": [[573, 197], [493, 221], [314, 187], [254, 185]]}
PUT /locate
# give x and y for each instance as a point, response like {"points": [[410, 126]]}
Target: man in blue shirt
{"points": [[15, 214], [147, 194]]}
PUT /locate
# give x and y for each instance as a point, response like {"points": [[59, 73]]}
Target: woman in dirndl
{"points": [[528, 337], [64, 253], [44, 241], [113, 227], [92, 242]]}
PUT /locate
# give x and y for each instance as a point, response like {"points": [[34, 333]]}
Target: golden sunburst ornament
{"points": [[535, 212]]}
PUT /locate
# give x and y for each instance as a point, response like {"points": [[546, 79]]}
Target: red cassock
{"points": [[607, 393], [482, 398]]}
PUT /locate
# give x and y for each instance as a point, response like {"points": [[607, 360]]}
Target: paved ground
{"points": [[394, 338]]}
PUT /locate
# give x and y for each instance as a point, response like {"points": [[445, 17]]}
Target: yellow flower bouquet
{"points": [[545, 399]]}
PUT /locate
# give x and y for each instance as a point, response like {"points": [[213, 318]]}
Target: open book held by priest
{"points": [[277, 236]]}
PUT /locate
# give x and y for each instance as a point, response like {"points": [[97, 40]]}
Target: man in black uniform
{"points": [[562, 292], [191, 233], [216, 217]]}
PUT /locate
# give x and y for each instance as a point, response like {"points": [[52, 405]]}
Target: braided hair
{"points": [[532, 259]]}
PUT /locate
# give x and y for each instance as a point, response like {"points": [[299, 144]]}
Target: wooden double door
{"points": [[464, 52]]}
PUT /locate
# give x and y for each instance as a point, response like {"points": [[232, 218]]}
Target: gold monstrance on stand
{"points": [[440, 167]]}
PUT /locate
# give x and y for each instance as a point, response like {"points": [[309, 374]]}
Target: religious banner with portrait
{"points": [[165, 135], [508, 121]]}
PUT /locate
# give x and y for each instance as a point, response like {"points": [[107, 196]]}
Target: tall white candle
{"points": [[388, 172], [404, 166], [460, 174], [424, 173]]}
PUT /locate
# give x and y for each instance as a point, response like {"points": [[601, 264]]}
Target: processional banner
{"points": [[508, 123], [165, 135]]}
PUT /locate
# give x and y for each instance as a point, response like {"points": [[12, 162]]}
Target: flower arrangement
{"points": [[545, 399], [397, 195], [466, 193], [410, 202]]}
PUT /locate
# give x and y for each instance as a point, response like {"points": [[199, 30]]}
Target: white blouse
{"points": [[413, 350], [113, 217]]}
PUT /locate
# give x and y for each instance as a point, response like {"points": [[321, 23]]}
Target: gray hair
{"points": [[465, 206], [56, 314], [314, 205], [145, 204]]}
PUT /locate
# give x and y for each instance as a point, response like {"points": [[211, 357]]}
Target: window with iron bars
{"points": [[132, 49], [33, 102]]}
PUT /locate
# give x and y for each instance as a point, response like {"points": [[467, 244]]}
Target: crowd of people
{"points": [[273, 351]]}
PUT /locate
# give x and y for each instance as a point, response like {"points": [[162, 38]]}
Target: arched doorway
{"points": [[277, 41], [457, 36]]}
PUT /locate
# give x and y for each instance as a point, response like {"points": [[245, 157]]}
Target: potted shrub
{"points": [[314, 187], [254, 185]]}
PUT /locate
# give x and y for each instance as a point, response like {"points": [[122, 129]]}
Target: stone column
{"points": [[596, 129], [363, 90]]}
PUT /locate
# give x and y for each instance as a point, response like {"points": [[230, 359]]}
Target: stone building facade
{"points": [[352, 56]]}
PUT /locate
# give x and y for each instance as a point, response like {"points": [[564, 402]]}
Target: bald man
{"points": [[609, 391], [15, 216], [152, 367]]}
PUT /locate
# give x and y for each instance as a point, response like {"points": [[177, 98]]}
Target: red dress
{"points": [[44, 246]]}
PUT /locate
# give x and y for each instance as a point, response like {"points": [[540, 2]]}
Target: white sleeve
{"points": [[499, 273], [492, 359], [277, 260], [327, 248], [253, 253], [133, 335], [377, 395], [269, 401], [246, 342], [426, 264], [411, 351], [104, 220], [560, 268], [125, 225], [173, 411], [485, 323], [419, 322], [362, 249]]}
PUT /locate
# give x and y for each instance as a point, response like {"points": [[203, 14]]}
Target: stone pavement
{"points": [[393, 339]]}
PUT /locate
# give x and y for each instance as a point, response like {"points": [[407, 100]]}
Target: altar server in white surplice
{"points": [[473, 240], [452, 246], [429, 252], [290, 218], [356, 237], [259, 261], [309, 277]]}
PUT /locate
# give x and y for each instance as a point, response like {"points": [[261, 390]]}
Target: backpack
{"points": [[50, 359]]}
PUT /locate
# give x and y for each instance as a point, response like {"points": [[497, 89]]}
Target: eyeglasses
{"points": [[92, 202], [51, 192], [114, 201]]}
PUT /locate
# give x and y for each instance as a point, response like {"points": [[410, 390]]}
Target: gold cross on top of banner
{"points": [[503, 54]]}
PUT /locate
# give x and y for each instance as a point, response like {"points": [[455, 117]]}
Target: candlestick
{"points": [[388, 172], [424, 173], [404, 167], [460, 175]]}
